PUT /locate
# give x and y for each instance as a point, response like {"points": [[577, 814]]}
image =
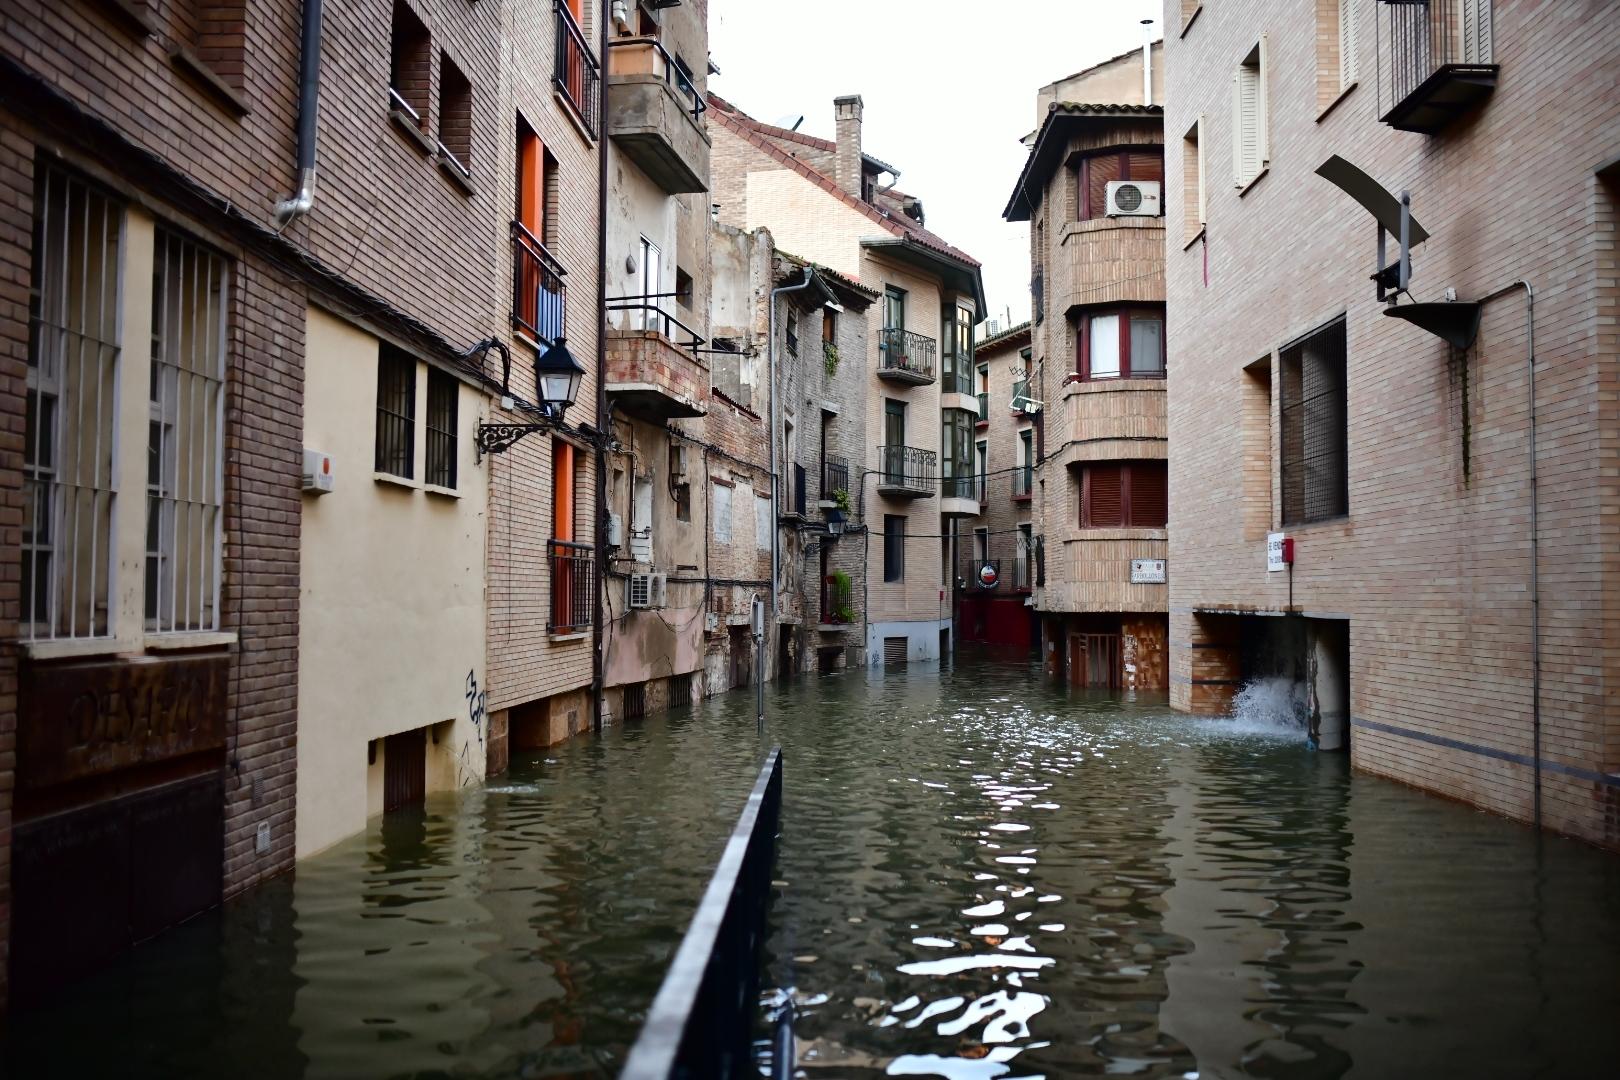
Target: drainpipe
{"points": [[1147, 62], [309, 96], [1535, 532], [604, 422], [770, 353]]}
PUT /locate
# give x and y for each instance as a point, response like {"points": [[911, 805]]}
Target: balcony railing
{"points": [[905, 356], [572, 587], [906, 470], [577, 74], [837, 605], [974, 578], [677, 79], [1023, 483], [645, 313], [539, 293], [961, 487], [834, 477], [1434, 61], [1020, 394]]}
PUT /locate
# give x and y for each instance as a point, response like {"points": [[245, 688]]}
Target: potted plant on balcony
{"points": [[839, 600], [841, 497], [829, 356]]}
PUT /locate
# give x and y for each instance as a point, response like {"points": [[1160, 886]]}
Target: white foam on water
{"points": [[1273, 707]]}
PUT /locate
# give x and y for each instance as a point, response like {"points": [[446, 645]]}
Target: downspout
{"points": [[1535, 533], [309, 95], [770, 353], [603, 420]]}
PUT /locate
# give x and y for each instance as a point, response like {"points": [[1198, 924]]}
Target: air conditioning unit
{"points": [[615, 530], [639, 591], [1133, 198]]}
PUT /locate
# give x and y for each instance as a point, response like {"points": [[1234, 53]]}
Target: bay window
{"points": [[1124, 494], [1121, 343], [1097, 170]]}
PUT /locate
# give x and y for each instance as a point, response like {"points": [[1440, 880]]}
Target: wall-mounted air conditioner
{"points": [[639, 591], [1133, 198]]}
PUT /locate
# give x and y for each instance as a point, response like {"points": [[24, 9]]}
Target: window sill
{"points": [[209, 81], [1187, 25], [1319, 523], [408, 127], [75, 648], [129, 15], [1334, 104], [1197, 236], [190, 639], [395, 481], [572, 635], [441, 492], [457, 174], [1248, 187]]}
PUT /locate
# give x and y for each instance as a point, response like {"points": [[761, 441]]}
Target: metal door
{"points": [[404, 769]]}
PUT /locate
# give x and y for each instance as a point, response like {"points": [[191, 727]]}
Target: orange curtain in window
{"points": [[562, 488], [531, 183], [577, 8]]}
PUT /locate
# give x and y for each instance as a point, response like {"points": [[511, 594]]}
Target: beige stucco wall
{"points": [[391, 620]]}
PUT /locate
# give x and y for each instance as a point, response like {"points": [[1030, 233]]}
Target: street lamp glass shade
{"points": [[557, 375]]}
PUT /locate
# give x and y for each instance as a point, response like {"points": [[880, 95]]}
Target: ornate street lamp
{"points": [[557, 375]]}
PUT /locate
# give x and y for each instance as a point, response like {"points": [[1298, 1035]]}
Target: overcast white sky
{"points": [[948, 86]]}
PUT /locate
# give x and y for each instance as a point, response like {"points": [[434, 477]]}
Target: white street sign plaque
{"points": [[1147, 572]]}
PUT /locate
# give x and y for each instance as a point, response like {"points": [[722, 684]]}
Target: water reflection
{"points": [[982, 876]]}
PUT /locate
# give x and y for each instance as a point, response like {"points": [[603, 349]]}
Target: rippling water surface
{"points": [[981, 876]]}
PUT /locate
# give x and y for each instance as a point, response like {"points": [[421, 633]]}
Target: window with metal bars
{"points": [[186, 419], [1124, 494], [396, 413], [1315, 427], [443, 396], [68, 448], [635, 701]]}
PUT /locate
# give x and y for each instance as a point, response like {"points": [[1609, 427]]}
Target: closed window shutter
{"points": [[1150, 504], [1100, 171], [1147, 165], [1104, 501], [1347, 43], [1476, 17], [1246, 147]]}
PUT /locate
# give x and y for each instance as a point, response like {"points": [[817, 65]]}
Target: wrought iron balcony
{"points": [[975, 580], [539, 292], [576, 74], [905, 357], [906, 472], [834, 477], [1434, 61], [1023, 483], [572, 586]]}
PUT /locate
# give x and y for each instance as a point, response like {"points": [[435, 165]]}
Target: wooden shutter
{"points": [[531, 183], [1145, 165], [1104, 497], [1149, 498], [1100, 169], [1245, 125]]}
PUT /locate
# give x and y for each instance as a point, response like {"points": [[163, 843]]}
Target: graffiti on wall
{"points": [[476, 699]]}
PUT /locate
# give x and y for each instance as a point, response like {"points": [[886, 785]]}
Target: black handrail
{"points": [[702, 1021], [907, 466], [655, 318], [576, 73], [902, 350], [572, 586], [539, 291], [672, 73], [834, 477]]}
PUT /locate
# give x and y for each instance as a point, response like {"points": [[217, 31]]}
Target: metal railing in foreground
{"points": [[701, 1024]]}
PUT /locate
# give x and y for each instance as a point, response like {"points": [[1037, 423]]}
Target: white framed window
{"points": [[69, 453], [1250, 153], [1105, 347]]}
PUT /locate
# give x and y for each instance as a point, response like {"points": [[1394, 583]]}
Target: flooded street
{"points": [[982, 875]]}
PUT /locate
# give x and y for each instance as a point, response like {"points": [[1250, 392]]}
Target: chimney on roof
{"points": [[847, 161]]}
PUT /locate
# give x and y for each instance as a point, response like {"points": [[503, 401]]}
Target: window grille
{"points": [[635, 701], [443, 394], [186, 421], [68, 488], [1315, 432], [680, 691], [396, 413]]}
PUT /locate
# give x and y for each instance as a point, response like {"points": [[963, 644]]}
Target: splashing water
{"points": [[1268, 706]]}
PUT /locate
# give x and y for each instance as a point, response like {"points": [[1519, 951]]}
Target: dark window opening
{"points": [[894, 547], [455, 113], [1315, 431], [396, 413], [408, 65]]}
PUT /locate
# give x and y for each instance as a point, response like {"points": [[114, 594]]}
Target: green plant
{"points": [[842, 611], [841, 497], [829, 355]]}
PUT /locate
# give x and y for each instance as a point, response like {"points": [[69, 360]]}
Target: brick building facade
{"points": [[1449, 614], [1089, 190]]}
